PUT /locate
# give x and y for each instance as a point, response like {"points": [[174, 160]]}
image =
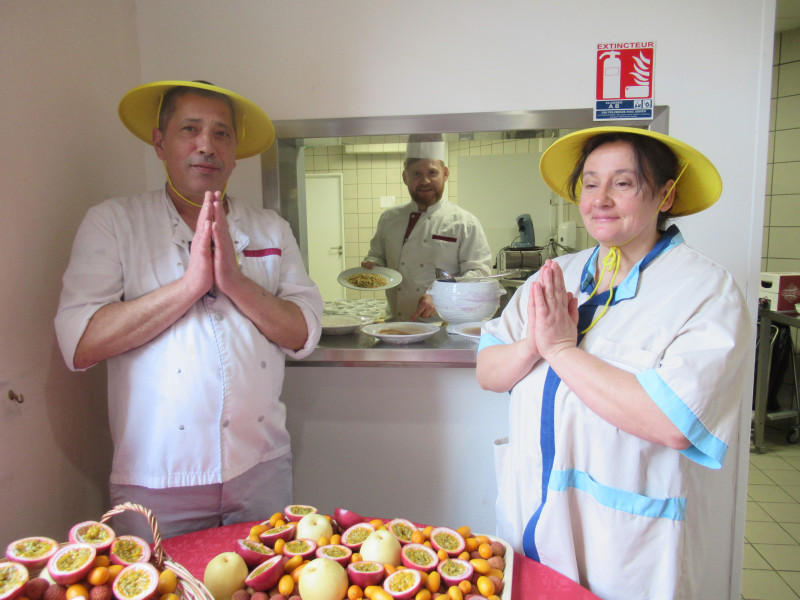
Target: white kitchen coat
{"points": [[620, 515], [445, 236], [200, 403]]}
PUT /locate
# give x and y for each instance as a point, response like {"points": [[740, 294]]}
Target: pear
{"points": [[224, 574]]}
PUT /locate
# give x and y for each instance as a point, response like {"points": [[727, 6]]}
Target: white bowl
{"points": [[342, 324], [466, 301]]}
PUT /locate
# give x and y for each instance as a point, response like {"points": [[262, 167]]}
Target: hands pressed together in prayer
{"points": [[212, 261], [552, 314], [551, 330]]}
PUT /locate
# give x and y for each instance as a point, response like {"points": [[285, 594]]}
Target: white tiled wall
{"points": [[371, 167], [781, 245]]}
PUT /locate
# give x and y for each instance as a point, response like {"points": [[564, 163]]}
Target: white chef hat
{"points": [[426, 145]]}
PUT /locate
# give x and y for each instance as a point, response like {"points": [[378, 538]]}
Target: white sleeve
{"points": [[93, 279], [474, 254], [699, 379], [297, 287]]}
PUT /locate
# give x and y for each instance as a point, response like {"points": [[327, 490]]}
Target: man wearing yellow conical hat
{"points": [[193, 298], [626, 370]]}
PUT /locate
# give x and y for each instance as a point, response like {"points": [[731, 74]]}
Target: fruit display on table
{"points": [[300, 554]]}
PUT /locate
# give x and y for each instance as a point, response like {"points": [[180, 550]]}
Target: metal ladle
{"points": [[442, 275]]}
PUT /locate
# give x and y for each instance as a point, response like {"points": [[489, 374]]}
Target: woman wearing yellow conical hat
{"points": [[625, 375]]}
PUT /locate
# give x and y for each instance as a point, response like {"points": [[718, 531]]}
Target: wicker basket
{"points": [[188, 587]]}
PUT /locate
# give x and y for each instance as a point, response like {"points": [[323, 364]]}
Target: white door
{"points": [[325, 232]]}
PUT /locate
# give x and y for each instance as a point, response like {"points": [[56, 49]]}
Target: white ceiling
{"points": [[787, 15]]}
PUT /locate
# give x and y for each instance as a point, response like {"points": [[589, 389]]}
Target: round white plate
{"points": [[342, 324], [393, 278], [471, 330], [414, 331]]}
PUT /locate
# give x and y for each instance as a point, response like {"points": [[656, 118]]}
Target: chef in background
{"points": [[426, 233]]}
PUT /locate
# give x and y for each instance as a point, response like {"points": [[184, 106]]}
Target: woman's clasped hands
{"points": [[552, 314]]}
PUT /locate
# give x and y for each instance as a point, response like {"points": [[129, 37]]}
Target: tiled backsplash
{"points": [[781, 244]]}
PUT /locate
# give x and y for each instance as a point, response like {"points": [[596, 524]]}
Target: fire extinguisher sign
{"points": [[624, 81]]}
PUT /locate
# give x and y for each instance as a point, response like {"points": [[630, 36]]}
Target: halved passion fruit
{"points": [[347, 518], [137, 581], [99, 535], [454, 570], [354, 536], [402, 529], [33, 552], [419, 556], [281, 532], [266, 575], [253, 553], [71, 563], [303, 547], [403, 584], [338, 552], [128, 549], [449, 540], [295, 512], [13, 577], [365, 572]]}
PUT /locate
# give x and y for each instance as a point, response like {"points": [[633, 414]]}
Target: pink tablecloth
{"points": [[530, 579]]}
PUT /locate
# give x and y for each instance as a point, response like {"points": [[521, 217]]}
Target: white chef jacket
{"points": [[622, 516], [199, 404], [445, 236]]}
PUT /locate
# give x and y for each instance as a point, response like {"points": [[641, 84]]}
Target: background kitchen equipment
{"points": [[526, 260], [781, 289], [526, 235]]}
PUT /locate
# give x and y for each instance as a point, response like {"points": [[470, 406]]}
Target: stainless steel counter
{"points": [[362, 350]]}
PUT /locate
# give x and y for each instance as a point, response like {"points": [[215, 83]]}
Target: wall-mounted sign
{"points": [[624, 81]]}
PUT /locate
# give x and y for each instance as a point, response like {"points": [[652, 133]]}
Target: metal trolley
{"points": [[766, 338]]}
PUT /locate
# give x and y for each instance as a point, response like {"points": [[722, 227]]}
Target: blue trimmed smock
{"points": [[623, 516]]}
